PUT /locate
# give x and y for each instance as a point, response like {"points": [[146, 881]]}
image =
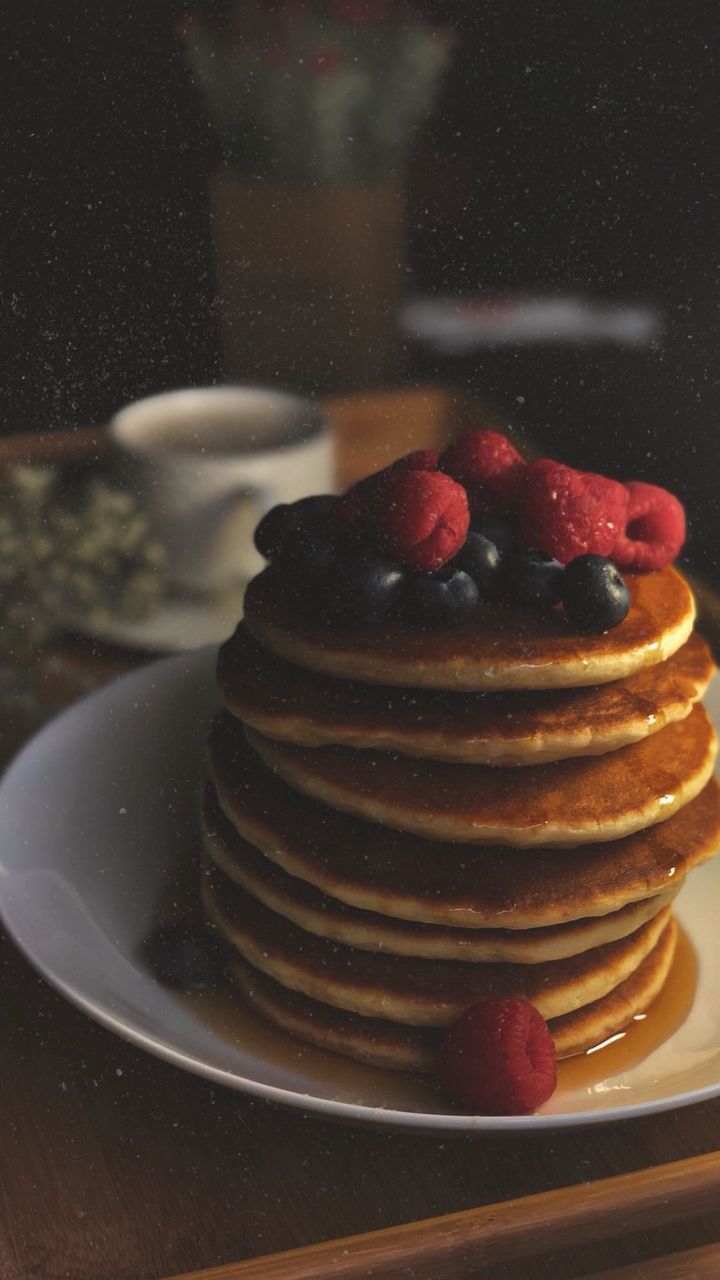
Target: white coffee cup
{"points": [[207, 462]]}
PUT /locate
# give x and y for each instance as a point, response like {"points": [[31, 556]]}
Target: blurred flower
{"points": [[318, 90], [362, 12], [324, 60], [83, 548]]}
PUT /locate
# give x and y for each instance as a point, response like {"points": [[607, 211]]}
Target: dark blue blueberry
{"points": [[309, 552], [442, 599], [594, 593], [533, 580], [361, 586], [497, 529], [184, 956], [481, 559], [285, 520]]}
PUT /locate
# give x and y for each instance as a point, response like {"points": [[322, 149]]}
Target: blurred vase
{"points": [[310, 279]]}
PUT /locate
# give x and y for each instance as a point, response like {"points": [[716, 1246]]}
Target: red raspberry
{"points": [[421, 517], [499, 1058], [418, 460], [655, 528], [568, 513], [489, 467]]}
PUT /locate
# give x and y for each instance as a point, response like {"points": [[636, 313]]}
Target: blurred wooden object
{"points": [[371, 428], [310, 279], [455, 1245], [374, 427], [54, 448]]}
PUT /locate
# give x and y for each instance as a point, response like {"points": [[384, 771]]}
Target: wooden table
{"points": [[117, 1166]]}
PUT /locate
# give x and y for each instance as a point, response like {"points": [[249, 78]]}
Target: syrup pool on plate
{"points": [[222, 1010], [646, 1032]]}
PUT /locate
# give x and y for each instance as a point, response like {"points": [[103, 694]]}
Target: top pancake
{"points": [[500, 648], [292, 704]]}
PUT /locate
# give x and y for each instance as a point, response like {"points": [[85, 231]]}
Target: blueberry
{"points": [[481, 559], [184, 956], [362, 586], [533, 580], [442, 599], [284, 520], [594, 593], [499, 530], [307, 553]]}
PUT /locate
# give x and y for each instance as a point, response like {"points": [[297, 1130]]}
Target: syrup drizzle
{"points": [[647, 1031], [224, 1013]]}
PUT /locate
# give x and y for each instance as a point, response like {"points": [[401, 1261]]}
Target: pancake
{"points": [[500, 648], [592, 798], [405, 876], [412, 990], [315, 912], [292, 704], [380, 1043]]}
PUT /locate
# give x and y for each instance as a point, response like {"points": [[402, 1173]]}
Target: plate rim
{"points": [[364, 1113]]}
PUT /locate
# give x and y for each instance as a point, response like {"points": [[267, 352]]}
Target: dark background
{"points": [[573, 146]]}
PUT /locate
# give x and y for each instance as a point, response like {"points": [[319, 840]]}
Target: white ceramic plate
{"points": [[97, 822]]}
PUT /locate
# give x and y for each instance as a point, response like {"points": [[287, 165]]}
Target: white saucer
{"points": [[176, 626], [98, 817]]}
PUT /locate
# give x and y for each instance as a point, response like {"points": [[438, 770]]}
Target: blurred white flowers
{"points": [[71, 548]]}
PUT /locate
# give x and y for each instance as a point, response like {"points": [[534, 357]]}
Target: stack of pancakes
{"points": [[400, 822]]}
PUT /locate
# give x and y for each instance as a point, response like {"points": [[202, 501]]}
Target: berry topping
{"points": [[498, 529], [594, 593], [284, 520], [481, 559], [421, 518], [489, 467], [567, 513], [533, 580], [418, 460], [442, 599], [184, 956], [655, 528], [309, 551], [361, 587], [499, 1058]]}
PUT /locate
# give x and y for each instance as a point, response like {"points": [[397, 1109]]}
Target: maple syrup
{"points": [[646, 1032], [223, 1011]]}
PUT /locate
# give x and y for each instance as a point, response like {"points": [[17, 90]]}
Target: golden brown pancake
{"points": [[413, 990], [292, 704], [500, 648], [329, 918], [381, 1043], [568, 802], [471, 886]]}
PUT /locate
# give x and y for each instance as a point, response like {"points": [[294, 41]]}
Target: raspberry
{"points": [[655, 528], [499, 1058], [569, 513], [489, 467], [418, 460], [421, 518]]}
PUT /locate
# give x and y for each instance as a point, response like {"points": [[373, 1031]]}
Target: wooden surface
{"points": [[456, 1245], [116, 1166]]}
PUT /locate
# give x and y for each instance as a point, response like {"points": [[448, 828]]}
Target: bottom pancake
{"points": [[417, 991], [381, 1043]]}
